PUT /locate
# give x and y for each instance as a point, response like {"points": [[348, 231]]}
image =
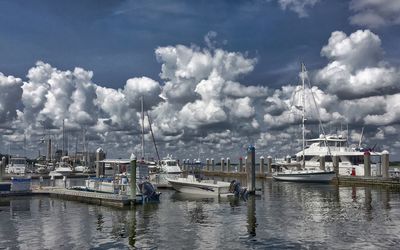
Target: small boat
{"points": [[305, 175], [191, 185], [63, 168]]}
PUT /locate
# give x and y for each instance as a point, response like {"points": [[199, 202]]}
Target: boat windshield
{"points": [[18, 161], [171, 163]]}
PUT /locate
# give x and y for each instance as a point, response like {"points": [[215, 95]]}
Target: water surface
{"points": [[286, 215]]}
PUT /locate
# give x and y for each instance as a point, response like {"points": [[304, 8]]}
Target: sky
{"points": [[215, 76]]}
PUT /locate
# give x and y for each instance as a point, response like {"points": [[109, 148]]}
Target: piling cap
{"points": [[321, 155], [99, 150], [262, 157], [367, 153], [269, 157], [133, 157], [251, 148], [385, 152]]}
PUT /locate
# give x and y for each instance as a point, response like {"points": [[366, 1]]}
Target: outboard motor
{"points": [[149, 191], [236, 189]]}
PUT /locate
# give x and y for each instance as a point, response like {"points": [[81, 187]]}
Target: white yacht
{"points": [[351, 159], [16, 165]]}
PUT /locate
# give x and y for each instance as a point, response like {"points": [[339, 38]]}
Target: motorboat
{"points": [[192, 185], [62, 168], [16, 165], [168, 168]]}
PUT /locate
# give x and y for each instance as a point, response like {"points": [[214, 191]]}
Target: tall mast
{"points": [[303, 72], [63, 140], [141, 103]]}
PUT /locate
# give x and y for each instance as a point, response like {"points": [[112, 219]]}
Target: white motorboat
{"points": [[62, 168], [167, 169], [200, 187], [16, 165], [306, 175]]}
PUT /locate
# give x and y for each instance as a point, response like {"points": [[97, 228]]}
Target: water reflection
{"points": [[286, 216]]}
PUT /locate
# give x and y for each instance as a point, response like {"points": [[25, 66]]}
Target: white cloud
{"points": [[298, 6], [10, 95], [375, 13], [356, 68]]}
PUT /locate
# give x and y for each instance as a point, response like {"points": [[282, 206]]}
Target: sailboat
{"points": [[306, 173]]}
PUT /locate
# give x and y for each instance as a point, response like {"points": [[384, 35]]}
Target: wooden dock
{"points": [[97, 198]]}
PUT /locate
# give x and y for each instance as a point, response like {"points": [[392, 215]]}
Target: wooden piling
{"points": [[251, 169], [222, 165], [208, 164], [335, 162], [269, 164], [322, 162], [99, 165], [240, 165], [2, 167], [228, 163], [262, 170], [385, 164], [133, 177], [367, 164], [212, 165]]}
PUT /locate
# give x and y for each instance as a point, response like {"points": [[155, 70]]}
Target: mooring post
{"points": [[208, 164], [40, 182], [65, 181], [288, 158], [52, 181], [298, 158], [251, 169], [222, 165], [335, 163], [99, 165], [228, 163], [269, 164], [133, 178], [2, 167], [367, 164], [322, 162], [245, 164], [212, 165], [262, 170], [240, 165], [385, 164]]}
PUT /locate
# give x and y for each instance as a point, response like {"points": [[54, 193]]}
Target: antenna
{"points": [[141, 103], [302, 75]]}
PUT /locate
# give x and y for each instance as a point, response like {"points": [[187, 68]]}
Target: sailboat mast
{"points": [[141, 102], [63, 140], [303, 110]]}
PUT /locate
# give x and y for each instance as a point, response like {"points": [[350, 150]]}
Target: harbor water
{"points": [[285, 215]]}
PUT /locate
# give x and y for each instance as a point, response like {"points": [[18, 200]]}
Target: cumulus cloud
{"points": [[10, 93], [298, 6], [375, 13], [356, 67], [204, 106]]}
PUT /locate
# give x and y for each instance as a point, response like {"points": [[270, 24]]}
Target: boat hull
{"points": [[199, 188], [322, 177]]}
